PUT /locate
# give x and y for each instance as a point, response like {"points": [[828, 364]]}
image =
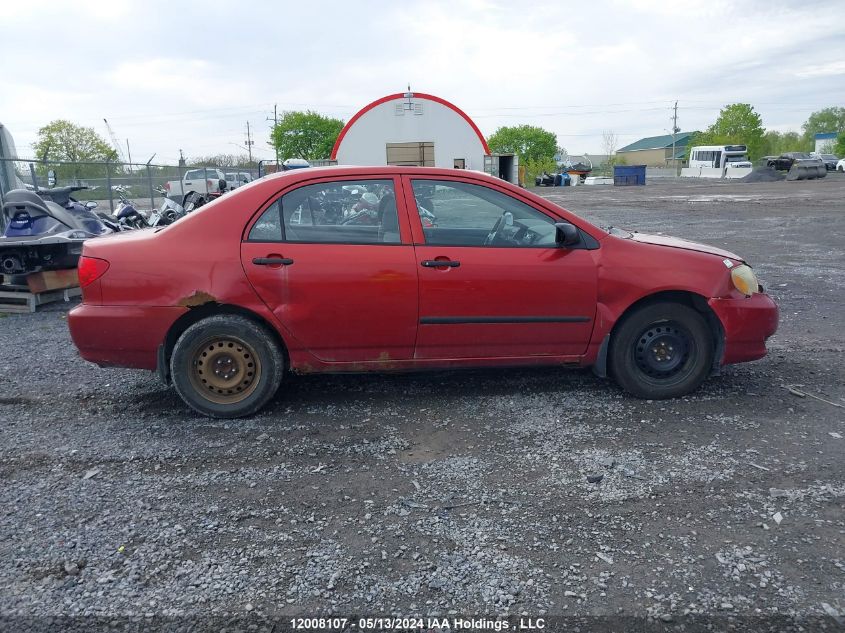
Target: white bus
{"points": [[720, 157]]}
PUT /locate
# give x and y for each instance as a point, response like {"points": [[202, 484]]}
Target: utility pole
{"points": [[675, 130], [275, 121], [249, 142]]}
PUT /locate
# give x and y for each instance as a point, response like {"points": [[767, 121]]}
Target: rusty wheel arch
{"points": [[199, 313], [684, 297]]}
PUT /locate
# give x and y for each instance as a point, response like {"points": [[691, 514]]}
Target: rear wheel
{"points": [[226, 366], [662, 350]]}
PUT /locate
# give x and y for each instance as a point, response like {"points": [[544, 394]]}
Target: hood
{"points": [[676, 242]]}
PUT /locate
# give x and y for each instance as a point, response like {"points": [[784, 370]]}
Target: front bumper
{"points": [[747, 323]]}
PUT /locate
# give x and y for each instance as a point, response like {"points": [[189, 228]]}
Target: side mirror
{"points": [[51, 178], [566, 234], [222, 184], [91, 205]]}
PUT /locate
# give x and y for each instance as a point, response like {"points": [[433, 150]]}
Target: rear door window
{"points": [[337, 212]]}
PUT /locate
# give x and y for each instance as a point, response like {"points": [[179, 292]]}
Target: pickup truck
{"points": [[800, 165], [205, 183]]}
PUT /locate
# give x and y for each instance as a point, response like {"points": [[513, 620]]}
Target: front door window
{"points": [[462, 214]]}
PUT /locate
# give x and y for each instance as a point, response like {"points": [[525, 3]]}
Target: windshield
{"points": [[737, 158], [828, 157]]}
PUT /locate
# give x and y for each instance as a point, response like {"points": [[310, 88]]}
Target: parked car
{"points": [[334, 270], [785, 161], [829, 161], [840, 166], [236, 179]]}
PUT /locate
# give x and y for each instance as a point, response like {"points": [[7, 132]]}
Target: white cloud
{"points": [[166, 83], [822, 70]]}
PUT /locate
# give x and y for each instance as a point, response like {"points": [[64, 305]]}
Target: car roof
{"points": [[345, 171]]}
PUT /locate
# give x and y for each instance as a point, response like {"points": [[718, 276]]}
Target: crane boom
{"points": [[115, 143]]}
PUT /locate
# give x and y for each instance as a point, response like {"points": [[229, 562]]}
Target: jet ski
{"points": [[45, 229]]}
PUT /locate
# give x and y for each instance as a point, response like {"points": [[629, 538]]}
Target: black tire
{"points": [[661, 350], [226, 366]]}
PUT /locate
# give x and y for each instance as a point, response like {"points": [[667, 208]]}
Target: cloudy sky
{"points": [[189, 75]]}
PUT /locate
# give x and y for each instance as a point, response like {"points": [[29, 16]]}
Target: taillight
{"points": [[167, 186], [90, 269]]}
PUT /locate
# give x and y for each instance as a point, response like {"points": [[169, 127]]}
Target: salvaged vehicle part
{"points": [[45, 230], [807, 170], [798, 165], [285, 275]]}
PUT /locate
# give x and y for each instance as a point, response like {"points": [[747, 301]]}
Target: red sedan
{"points": [[353, 269]]}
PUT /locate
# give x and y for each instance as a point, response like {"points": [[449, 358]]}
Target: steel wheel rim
{"points": [[663, 351], [225, 369]]}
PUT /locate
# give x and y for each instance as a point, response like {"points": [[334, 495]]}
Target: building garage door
{"points": [[417, 154]]}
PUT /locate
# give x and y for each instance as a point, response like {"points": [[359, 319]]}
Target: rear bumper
{"points": [[121, 336], [747, 323]]}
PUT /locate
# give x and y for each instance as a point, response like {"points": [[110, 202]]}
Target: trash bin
{"points": [[628, 175]]}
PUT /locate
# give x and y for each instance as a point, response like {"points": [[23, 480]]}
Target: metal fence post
{"points": [[108, 184], [34, 177], [150, 182]]}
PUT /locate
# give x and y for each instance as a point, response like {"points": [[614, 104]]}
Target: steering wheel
{"points": [[494, 232]]}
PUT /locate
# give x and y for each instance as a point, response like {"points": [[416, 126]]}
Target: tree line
{"points": [[739, 123], [311, 135]]}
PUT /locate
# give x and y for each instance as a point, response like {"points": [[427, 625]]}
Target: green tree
{"points": [[825, 120], [839, 145], [306, 135], [776, 143], [224, 161], [738, 124], [65, 141], [530, 143]]}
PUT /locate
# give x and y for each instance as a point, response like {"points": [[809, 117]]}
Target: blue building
{"points": [[824, 142]]}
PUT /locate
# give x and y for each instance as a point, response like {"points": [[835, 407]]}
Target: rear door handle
{"points": [[272, 261], [439, 263]]}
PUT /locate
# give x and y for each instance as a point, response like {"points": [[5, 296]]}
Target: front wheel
{"points": [[226, 366], [662, 350]]}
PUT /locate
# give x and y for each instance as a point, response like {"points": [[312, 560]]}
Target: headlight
{"points": [[745, 280]]}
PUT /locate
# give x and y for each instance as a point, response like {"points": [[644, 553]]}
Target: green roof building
{"points": [[656, 151]]}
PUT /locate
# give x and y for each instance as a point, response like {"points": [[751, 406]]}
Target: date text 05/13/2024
{"points": [[423, 625]]}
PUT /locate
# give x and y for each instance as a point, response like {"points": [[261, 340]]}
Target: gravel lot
{"points": [[445, 493]]}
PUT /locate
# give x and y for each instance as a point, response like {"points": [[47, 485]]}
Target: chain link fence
{"points": [[144, 184]]}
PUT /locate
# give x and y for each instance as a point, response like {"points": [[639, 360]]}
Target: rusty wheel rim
{"points": [[225, 370]]}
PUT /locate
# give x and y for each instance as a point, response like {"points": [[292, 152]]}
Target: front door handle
{"points": [[272, 261], [439, 263]]}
